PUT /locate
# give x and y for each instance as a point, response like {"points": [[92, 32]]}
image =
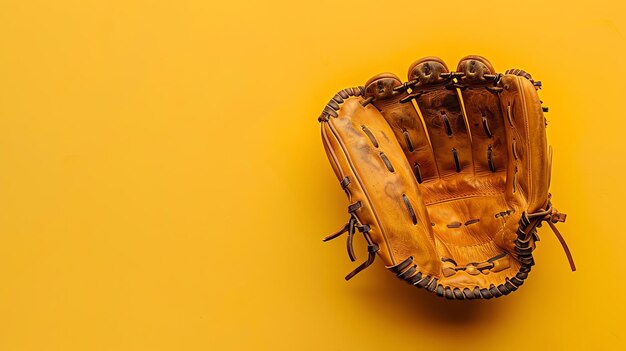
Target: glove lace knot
{"points": [[551, 215], [351, 227]]}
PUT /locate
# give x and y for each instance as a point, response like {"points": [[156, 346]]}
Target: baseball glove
{"points": [[447, 174]]}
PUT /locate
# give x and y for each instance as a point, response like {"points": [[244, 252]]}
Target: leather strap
{"points": [[564, 245]]}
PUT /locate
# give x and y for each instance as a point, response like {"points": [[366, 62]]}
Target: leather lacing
{"points": [[455, 156], [552, 216], [333, 105], [446, 123], [486, 126], [418, 172], [492, 167], [407, 139], [351, 227], [527, 230]]}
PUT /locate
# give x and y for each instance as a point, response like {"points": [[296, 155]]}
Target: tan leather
{"points": [[380, 190], [467, 150]]}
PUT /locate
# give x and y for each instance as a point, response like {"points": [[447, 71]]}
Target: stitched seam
{"points": [[459, 95], [422, 121], [479, 244], [526, 125], [466, 196], [332, 152]]}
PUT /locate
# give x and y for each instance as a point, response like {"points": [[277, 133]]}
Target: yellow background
{"points": [[163, 185]]}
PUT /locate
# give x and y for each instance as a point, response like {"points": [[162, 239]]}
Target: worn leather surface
{"points": [[469, 153]]}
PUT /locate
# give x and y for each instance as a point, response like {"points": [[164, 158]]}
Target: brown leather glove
{"points": [[447, 174]]}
